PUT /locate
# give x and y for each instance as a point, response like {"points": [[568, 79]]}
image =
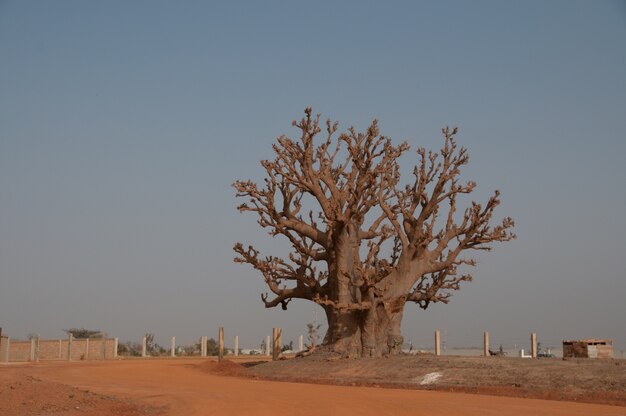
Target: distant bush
{"points": [[287, 347], [129, 349], [82, 333]]}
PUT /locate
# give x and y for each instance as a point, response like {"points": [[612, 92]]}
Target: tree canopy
{"points": [[363, 244]]}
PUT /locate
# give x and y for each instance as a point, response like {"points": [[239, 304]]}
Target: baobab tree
{"points": [[363, 245]]}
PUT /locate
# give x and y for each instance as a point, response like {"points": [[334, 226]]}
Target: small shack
{"points": [[588, 348]]}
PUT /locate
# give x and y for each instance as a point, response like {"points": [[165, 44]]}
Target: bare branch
{"points": [[362, 243]]}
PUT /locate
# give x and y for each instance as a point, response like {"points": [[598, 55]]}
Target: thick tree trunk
{"points": [[368, 333], [373, 332]]}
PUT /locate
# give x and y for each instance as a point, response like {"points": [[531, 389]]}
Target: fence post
{"points": [[486, 346], [220, 355], [2, 358], [115, 345], [236, 345], [533, 345], [31, 355], [60, 349], [104, 346], [86, 348], [273, 343], [202, 352], [6, 350], [300, 343], [437, 342], [173, 350], [267, 346], [37, 348], [277, 343], [143, 347], [69, 347]]}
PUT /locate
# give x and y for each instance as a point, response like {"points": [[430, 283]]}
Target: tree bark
{"points": [[365, 333]]}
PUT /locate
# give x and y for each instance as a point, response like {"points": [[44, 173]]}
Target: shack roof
{"points": [[590, 341]]}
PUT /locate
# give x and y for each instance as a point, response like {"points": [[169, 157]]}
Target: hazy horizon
{"points": [[123, 126]]}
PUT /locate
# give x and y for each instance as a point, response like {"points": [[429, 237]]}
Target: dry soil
{"points": [[201, 387]]}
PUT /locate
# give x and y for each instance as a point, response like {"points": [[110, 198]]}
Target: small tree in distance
{"points": [[287, 347], [212, 347], [313, 337], [82, 333], [363, 245], [152, 347]]}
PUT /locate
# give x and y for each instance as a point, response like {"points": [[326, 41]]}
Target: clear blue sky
{"points": [[123, 124]]}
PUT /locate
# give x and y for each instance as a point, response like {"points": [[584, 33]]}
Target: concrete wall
{"points": [[19, 350], [82, 349], [3, 349]]}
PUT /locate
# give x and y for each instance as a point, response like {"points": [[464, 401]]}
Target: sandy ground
{"points": [[195, 387], [582, 380]]}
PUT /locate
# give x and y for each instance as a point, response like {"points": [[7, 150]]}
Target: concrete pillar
{"points": [[486, 344], [32, 350], [267, 346], [7, 342], [533, 345], [203, 345], [103, 346], [115, 345], [273, 344], [437, 343], [86, 348], [144, 347], [220, 355], [69, 347], [300, 343], [276, 343], [60, 349], [173, 347], [37, 346], [236, 345]]}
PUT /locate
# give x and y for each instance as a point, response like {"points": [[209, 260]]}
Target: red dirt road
{"points": [[181, 388]]}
